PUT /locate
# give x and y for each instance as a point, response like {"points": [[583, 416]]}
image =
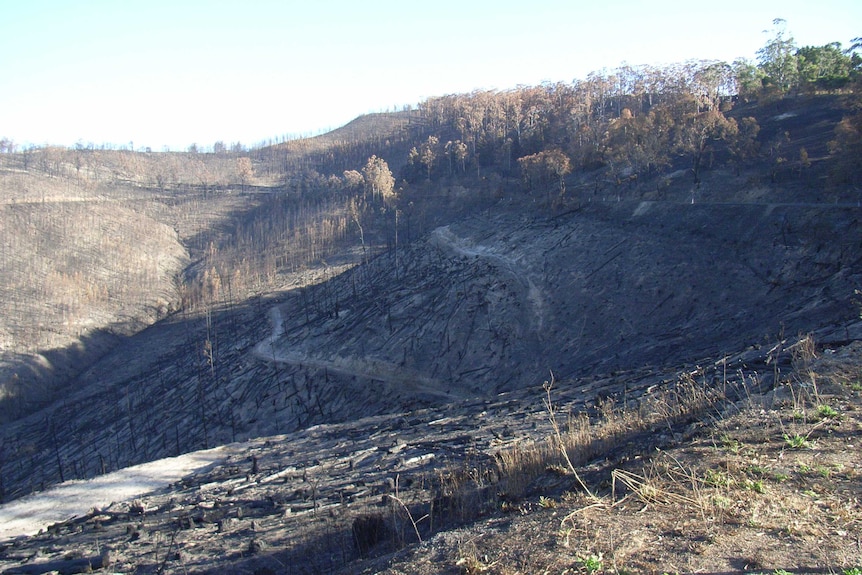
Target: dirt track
{"points": [[356, 367]]}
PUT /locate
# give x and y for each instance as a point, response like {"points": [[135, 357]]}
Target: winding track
{"points": [[394, 375], [445, 237], [389, 373]]}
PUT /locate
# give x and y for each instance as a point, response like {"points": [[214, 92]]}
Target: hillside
{"points": [[705, 471], [88, 259], [479, 307], [395, 340]]}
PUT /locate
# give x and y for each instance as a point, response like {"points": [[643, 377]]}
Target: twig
{"points": [[561, 444], [410, 516], [581, 510], [161, 568]]}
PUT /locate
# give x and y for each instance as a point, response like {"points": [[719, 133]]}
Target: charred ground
{"points": [[285, 318]]}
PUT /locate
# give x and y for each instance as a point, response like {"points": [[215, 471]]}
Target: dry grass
{"points": [[582, 438], [734, 495]]}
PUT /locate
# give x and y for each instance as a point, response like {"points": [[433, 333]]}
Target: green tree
{"points": [[778, 59], [749, 79], [824, 67]]}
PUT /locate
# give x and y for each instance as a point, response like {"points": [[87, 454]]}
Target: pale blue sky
{"points": [[173, 72]]}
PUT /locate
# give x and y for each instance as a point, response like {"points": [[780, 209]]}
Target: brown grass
{"points": [[730, 494]]}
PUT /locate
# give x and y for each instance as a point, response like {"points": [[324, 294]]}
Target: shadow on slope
{"points": [[491, 303], [475, 308]]}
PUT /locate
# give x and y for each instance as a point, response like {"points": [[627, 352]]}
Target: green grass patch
{"points": [[827, 412], [796, 441]]}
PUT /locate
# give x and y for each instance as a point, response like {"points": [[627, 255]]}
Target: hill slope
{"points": [[493, 302], [680, 478], [486, 305], [482, 303], [336, 319]]}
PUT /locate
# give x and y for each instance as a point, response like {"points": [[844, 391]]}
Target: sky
{"points": [[169, 73]]}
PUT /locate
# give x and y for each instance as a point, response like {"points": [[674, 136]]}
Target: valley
{"points": [[378, 359]]}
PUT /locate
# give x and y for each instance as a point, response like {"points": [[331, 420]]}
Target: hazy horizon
{"points": [[171, 74]]}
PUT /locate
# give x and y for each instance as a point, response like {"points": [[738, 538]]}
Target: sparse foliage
{"points": [[244, 170], [778, 58], [545, 167], [428, 154], [378, 178], [353, 179]]}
